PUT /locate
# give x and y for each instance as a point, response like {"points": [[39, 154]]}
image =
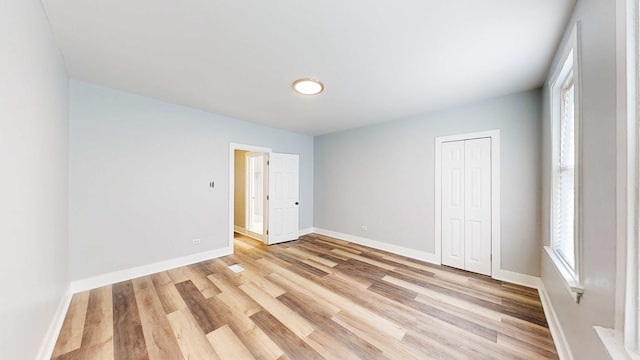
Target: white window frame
{"points": [[630, 260], [623, 341], [567, 67]]}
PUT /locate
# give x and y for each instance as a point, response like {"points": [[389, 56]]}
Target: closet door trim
{"points": [[495, 194]]}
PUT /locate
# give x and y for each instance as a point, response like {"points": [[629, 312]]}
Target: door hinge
{"points": [[268, 162], [267, 197], [267, 231]]}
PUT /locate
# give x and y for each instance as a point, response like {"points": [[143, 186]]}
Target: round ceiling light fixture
{"points": [[308, 86]]}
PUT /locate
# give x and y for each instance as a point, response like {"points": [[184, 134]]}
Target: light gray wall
{"points": [[34, 115], [382, 176], [240, 189], [599, 178], [139, 178]]}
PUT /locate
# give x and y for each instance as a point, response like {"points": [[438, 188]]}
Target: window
{"points": [[628, 330], [565, 239]]}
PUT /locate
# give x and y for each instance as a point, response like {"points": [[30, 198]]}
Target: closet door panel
{"points": [[477, 205], [453, 204]]}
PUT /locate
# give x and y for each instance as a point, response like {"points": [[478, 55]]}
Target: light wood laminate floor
{"points": [[314, 298]]}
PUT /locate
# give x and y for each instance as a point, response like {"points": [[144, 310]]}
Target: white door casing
{"points": [[466, 208], [283, 197]]}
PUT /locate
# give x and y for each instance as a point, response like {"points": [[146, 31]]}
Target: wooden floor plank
{"points": [[256, 341], [198, 276], [291, 344], [492, 323], [98, 325], [314, 303], [328, 348], [420, 324], [391, 347], [167, 292], [158, 335], [227, 345], [192, 341], [235, 298], [320, 316], [128, 337], [391, 329], [524, 348], [100, 351], [70, 337], [314, 298], [293, 321], [432, 348], [205, 315]]}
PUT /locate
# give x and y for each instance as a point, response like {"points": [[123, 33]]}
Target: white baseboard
{"points": [[562, 346], [306, 231], [49, 342], [399, 250], [132, 273], [239, 229], [517, 278]]}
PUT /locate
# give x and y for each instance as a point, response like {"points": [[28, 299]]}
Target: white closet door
{"points": [[453, 206], [466, 205], [478, 205]]}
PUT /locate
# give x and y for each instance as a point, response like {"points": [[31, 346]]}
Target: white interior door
{"points": [[453, 204], [478, 205], [466, 204], [283, 197]]}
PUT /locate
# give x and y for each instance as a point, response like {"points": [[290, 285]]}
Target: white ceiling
{"points": [[378, 59]]}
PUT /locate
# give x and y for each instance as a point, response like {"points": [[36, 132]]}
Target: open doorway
{"points": [[238, 193], [263, 194], [250, 215], [255, 199]]}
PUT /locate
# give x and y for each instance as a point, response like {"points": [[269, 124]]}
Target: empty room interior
{"points": [[319, 180]]}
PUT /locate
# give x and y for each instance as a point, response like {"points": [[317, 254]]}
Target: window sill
{"points": [[614, 347], [574, 288]]}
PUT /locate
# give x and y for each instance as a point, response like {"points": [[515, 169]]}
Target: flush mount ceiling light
{"points": [[307, 86]]}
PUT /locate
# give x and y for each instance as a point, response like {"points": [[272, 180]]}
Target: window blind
{"points": [[564, 217]]}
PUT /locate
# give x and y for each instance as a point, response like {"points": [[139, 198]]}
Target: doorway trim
{"points": [[494, 135], [232, 177]]}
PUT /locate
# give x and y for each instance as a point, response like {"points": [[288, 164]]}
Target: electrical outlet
{"points": [[195, 241], [364, 227]]}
